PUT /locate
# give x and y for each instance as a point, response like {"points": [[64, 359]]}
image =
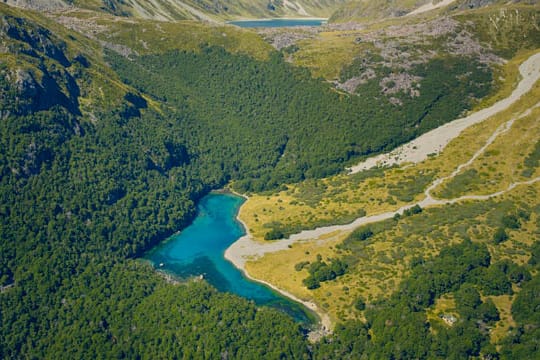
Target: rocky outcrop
{"points": [[33, 40], [40, 84], [38, 4]]}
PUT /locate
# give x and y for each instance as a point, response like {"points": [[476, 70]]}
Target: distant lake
{"points": [[199, 250], [277, 22]]}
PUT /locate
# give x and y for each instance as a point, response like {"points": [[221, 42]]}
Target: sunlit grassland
{"points": [[150, 37], [378, 265], [500, 165], [336, 200], [368, 11], [502, 162], [328, 53], [187, 35], [278, 269], [501, 328]]}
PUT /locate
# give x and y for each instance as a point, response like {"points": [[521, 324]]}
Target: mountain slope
{"points": [[370, 10], [92, 174], [112, 128], [407, 266], [207, 10]]}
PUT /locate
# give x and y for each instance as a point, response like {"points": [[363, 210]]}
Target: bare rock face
{"points": [[34, 93], [34, 39], [351, 84], [25, 84], [281, 38], [39, 85], [400, 82], [38, 4]]}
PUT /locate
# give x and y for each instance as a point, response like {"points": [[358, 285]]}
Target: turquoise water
{"points": [[199, 250], [278, 22]]}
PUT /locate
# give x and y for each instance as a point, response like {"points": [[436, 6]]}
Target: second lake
{"points": [[277, 22]]}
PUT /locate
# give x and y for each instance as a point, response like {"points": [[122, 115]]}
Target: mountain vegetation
{"points": [[112, 129], [206, 10]]}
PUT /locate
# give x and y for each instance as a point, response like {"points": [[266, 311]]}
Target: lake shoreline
{"points": [[279, 22], [325, 324]]}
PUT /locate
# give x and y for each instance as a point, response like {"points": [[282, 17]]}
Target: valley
{"points": [[245, 252], [389, 159]]}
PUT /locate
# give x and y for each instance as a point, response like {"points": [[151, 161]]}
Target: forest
{"points": [[279, 125], [82, 197]]}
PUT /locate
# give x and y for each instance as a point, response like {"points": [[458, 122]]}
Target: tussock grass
{"points": [[378, 265], [150, 37]]}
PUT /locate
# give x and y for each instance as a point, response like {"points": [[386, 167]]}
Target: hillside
{"points": [[399, 256], [477, 193], [338, 11], [206, 10], [375, 10], [115, 121], [93, 174]]}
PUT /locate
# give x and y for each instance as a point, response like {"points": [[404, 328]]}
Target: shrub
{"points": [[510, 221], [361, 234], [301, 265], [274, 234], [360, 304], [500, 236], [416, 209]]}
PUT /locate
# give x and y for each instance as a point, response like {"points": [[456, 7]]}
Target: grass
{"points": [[502, 162], [336, 200], [339, 199], [367, 11], [378, 264], [328, 53], [501, 328], [443, 305], [507, 28], [150, 37], [333, 296], [141, 36]]}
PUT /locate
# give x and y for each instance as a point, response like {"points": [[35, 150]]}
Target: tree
{"points": [[500, 235], [311, 282], [274, 234], [360, 304]]}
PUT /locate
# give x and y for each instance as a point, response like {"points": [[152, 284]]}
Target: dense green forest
{"points": [[82, 196], [276, 124], [397, 327]]}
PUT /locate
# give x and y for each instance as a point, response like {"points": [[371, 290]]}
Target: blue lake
{"points": [[199, 250], [277, 22]]}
